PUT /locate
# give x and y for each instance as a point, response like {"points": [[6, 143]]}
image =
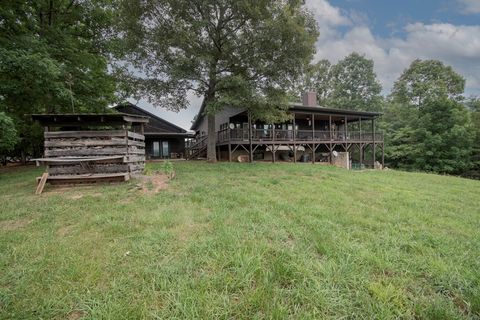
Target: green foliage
{"points": [[437, 137], [473, 104], [54, 54], [350, 84], [230, 52], [8, 135], [427, 126], [167, 168], [428, 80], [354, 84]]}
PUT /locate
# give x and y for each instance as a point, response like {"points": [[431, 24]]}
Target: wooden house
{"points": [[314, 134], [163, 139]]}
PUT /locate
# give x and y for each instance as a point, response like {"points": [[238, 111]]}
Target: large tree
{"points": [[54, 58], [354, 84], [239, 53], [428, 80]]}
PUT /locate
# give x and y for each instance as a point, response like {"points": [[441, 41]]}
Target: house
{"points": [[163, 140], [314, 134]]}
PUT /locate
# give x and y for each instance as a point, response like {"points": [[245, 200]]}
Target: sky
{"points": [[391, 32]]}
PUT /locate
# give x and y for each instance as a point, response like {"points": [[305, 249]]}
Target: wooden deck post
{"points": [[250, 135], [373, 138], [383, 155], [294, 143], [330, 134], [313, 138]]}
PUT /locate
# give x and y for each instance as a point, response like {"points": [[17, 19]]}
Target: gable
{"points": [[155, 125]]}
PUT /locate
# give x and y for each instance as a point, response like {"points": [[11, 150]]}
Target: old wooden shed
{"points": [[83, 148]]}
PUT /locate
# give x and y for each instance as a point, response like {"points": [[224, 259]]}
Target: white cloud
{"points": [[469, 6], [458, 46]]}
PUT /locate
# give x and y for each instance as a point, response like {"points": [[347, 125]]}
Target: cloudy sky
{"points": [[392, 33]]}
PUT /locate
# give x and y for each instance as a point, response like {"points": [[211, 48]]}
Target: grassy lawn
{"points": [[243, 241]]}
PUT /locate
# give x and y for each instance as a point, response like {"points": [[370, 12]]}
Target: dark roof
{"points": [[332, 111], [156, 124], [301, 107], [91, 119]]}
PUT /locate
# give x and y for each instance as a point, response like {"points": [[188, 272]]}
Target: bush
{"points": [[8, 136]]}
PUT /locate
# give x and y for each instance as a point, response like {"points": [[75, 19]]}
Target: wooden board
{"points": [[80, 169], [75, 160], [84, 134], [86, 152], [136, 135], [41, 183], [61, 143]]}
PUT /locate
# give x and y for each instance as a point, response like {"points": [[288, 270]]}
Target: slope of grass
{"points": [[243, 241]]}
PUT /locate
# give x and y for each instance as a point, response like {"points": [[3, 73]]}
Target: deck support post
{"points": [[313, 138], [294, 144], [383, 155], [373, 138], [250, 136], [330, 134], [361, 155]]}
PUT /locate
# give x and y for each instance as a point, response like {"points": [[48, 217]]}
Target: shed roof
{"points": [[91, 119]]}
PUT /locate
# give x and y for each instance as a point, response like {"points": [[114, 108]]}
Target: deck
{"points": [[272, 136]]}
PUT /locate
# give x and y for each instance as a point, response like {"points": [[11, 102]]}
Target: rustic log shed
{"points": [[89, 148]]}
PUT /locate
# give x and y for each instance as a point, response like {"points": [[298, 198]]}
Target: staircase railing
{"points": [[196, 147]]}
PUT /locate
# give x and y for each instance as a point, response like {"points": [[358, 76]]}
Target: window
{"points": [[165, 149], [156, 149]]}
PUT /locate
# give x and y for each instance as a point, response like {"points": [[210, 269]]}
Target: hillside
{"points": [[243, 241]]}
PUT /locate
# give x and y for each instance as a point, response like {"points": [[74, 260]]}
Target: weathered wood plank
{"points": [[73, 142], [41, 183], [136, 136], [84, 134], [88, 176], [134, 158], [85, 152], [79, 169], [74, 160]]}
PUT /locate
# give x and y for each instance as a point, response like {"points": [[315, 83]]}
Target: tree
{"points": [[240, 53], [428, 80], [354, 84], [8, 136], [445, 137], [54, 59], [473, 104], [316, 77]]}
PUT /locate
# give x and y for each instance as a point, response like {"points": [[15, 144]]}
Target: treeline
{"points": [[429, 124], [54, 58], [62, 56]]}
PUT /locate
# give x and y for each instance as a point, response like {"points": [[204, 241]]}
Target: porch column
{"points": [[294, 144], [313, 138], [373, 137], [250, 136], [383, 155], [330, 134]]}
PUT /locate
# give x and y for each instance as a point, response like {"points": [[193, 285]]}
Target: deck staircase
{"points": [[197, 149]]}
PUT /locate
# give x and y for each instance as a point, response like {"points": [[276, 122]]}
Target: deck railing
{"points": [[271, 135]]}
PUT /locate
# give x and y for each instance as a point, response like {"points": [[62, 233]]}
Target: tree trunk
{"points": [[211, 139]]}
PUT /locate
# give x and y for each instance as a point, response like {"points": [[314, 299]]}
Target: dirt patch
{"points": [[10, 225], [75, 314], [154, 183], [64, 231]]}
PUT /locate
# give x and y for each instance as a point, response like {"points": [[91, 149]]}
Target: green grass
{"points": [[243, 241]]}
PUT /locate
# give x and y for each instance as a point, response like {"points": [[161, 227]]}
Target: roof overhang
{"points": [[90, 119]]}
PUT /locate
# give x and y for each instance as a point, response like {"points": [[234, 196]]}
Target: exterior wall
{"points": [[220, 118]]}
